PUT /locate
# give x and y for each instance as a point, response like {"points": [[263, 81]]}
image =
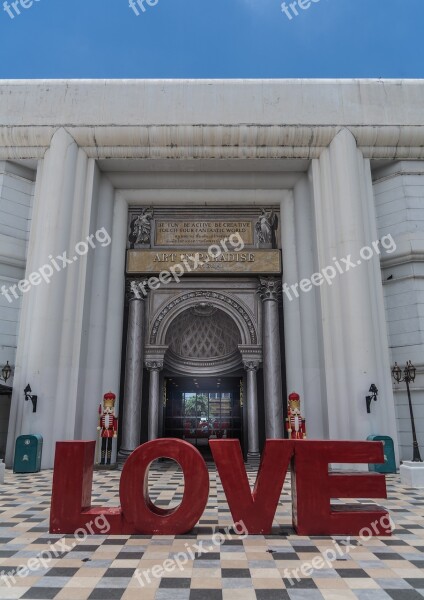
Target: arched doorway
{"points": [[206, 336], [203, 376]]}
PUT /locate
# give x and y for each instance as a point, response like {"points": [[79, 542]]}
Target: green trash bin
{"points": [[28, 450], [389, 465]]}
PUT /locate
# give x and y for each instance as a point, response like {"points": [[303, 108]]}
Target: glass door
{"points": [[198, 415], [196, 418]]}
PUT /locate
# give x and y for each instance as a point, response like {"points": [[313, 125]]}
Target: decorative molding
{"points": [[270, 289], [133, 294], [195, 141], [219, 366], [212, 297], [402, 258], [154, 365], [251, 354], [154, 354], [251, 365]]}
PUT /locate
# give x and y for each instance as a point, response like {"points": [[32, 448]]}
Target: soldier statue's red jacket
{"points": [[108, 425]]}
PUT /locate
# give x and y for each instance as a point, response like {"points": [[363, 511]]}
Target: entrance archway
{"points": [[203, 376], [203, 334]]}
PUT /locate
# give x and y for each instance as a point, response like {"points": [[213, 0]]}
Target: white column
{"points": [[313, 400], [112, 350], [291, 305], [354, 335], [93, 390], [76, 303], [17, 406], [50, 340]]}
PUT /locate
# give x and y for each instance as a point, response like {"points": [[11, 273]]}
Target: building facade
{"points": [[205, 248]]}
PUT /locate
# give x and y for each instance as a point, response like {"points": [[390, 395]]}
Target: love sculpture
{"points": [[313, 487]]}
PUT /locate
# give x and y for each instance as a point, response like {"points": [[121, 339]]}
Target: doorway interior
{"points": [[198, 409]]}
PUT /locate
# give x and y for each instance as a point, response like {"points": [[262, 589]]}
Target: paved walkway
{"points": [[261, 567]]}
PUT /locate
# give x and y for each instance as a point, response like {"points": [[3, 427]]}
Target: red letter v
{"points": [[255, 510]]}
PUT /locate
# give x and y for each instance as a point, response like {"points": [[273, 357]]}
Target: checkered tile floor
{"points": [[259, 567]]}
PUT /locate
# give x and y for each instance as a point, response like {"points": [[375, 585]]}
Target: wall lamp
{"points": [[32, 397], [6, 372], [373, 396]]}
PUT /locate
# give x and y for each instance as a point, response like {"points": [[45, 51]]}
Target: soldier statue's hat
{"points": [[294, 400], [109, 400]]}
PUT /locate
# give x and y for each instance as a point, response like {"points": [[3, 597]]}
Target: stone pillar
{"points": [[55, 314], [270, 293], [131, 420], [155, 367], [113, 349], [313, 400], [162, 405], [291, 304], [252, 409], [354, 334], [93, 389]]}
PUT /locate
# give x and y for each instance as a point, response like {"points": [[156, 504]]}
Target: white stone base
{"points": [[2, 470], [412, 474]]}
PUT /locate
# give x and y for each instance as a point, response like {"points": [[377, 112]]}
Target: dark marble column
{"points": [[131, 421], [155, 367], [270, 293], [251, 367]]}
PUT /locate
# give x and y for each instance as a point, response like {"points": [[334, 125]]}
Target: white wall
{"points": [[399, 199], [16, 194]]}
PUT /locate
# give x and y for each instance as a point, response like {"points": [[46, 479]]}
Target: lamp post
{"points": [[408, 376], [6, 372]]}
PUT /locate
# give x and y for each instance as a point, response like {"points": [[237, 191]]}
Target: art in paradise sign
{"points": [[313, 487]]}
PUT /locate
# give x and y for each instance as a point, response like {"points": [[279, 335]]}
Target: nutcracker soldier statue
{"points": [[295, 423], [108, 427]]}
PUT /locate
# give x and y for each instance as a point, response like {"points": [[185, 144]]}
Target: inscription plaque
{"points": [[198, 233], [244, 262]]}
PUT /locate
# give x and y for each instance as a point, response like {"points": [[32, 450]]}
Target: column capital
{"points": [[270, 289], [251, 365], [136, 289], [154, 365]]}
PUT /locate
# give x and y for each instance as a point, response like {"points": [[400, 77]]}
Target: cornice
{"points": [[203, 141]]}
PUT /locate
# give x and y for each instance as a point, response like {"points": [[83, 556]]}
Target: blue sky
{"points": [[212, 39]]}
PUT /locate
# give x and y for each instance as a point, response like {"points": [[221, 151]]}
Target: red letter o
{"points": [[137, 507]]}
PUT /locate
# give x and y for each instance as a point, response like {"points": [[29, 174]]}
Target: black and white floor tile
{"points": [[257, 567]]}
